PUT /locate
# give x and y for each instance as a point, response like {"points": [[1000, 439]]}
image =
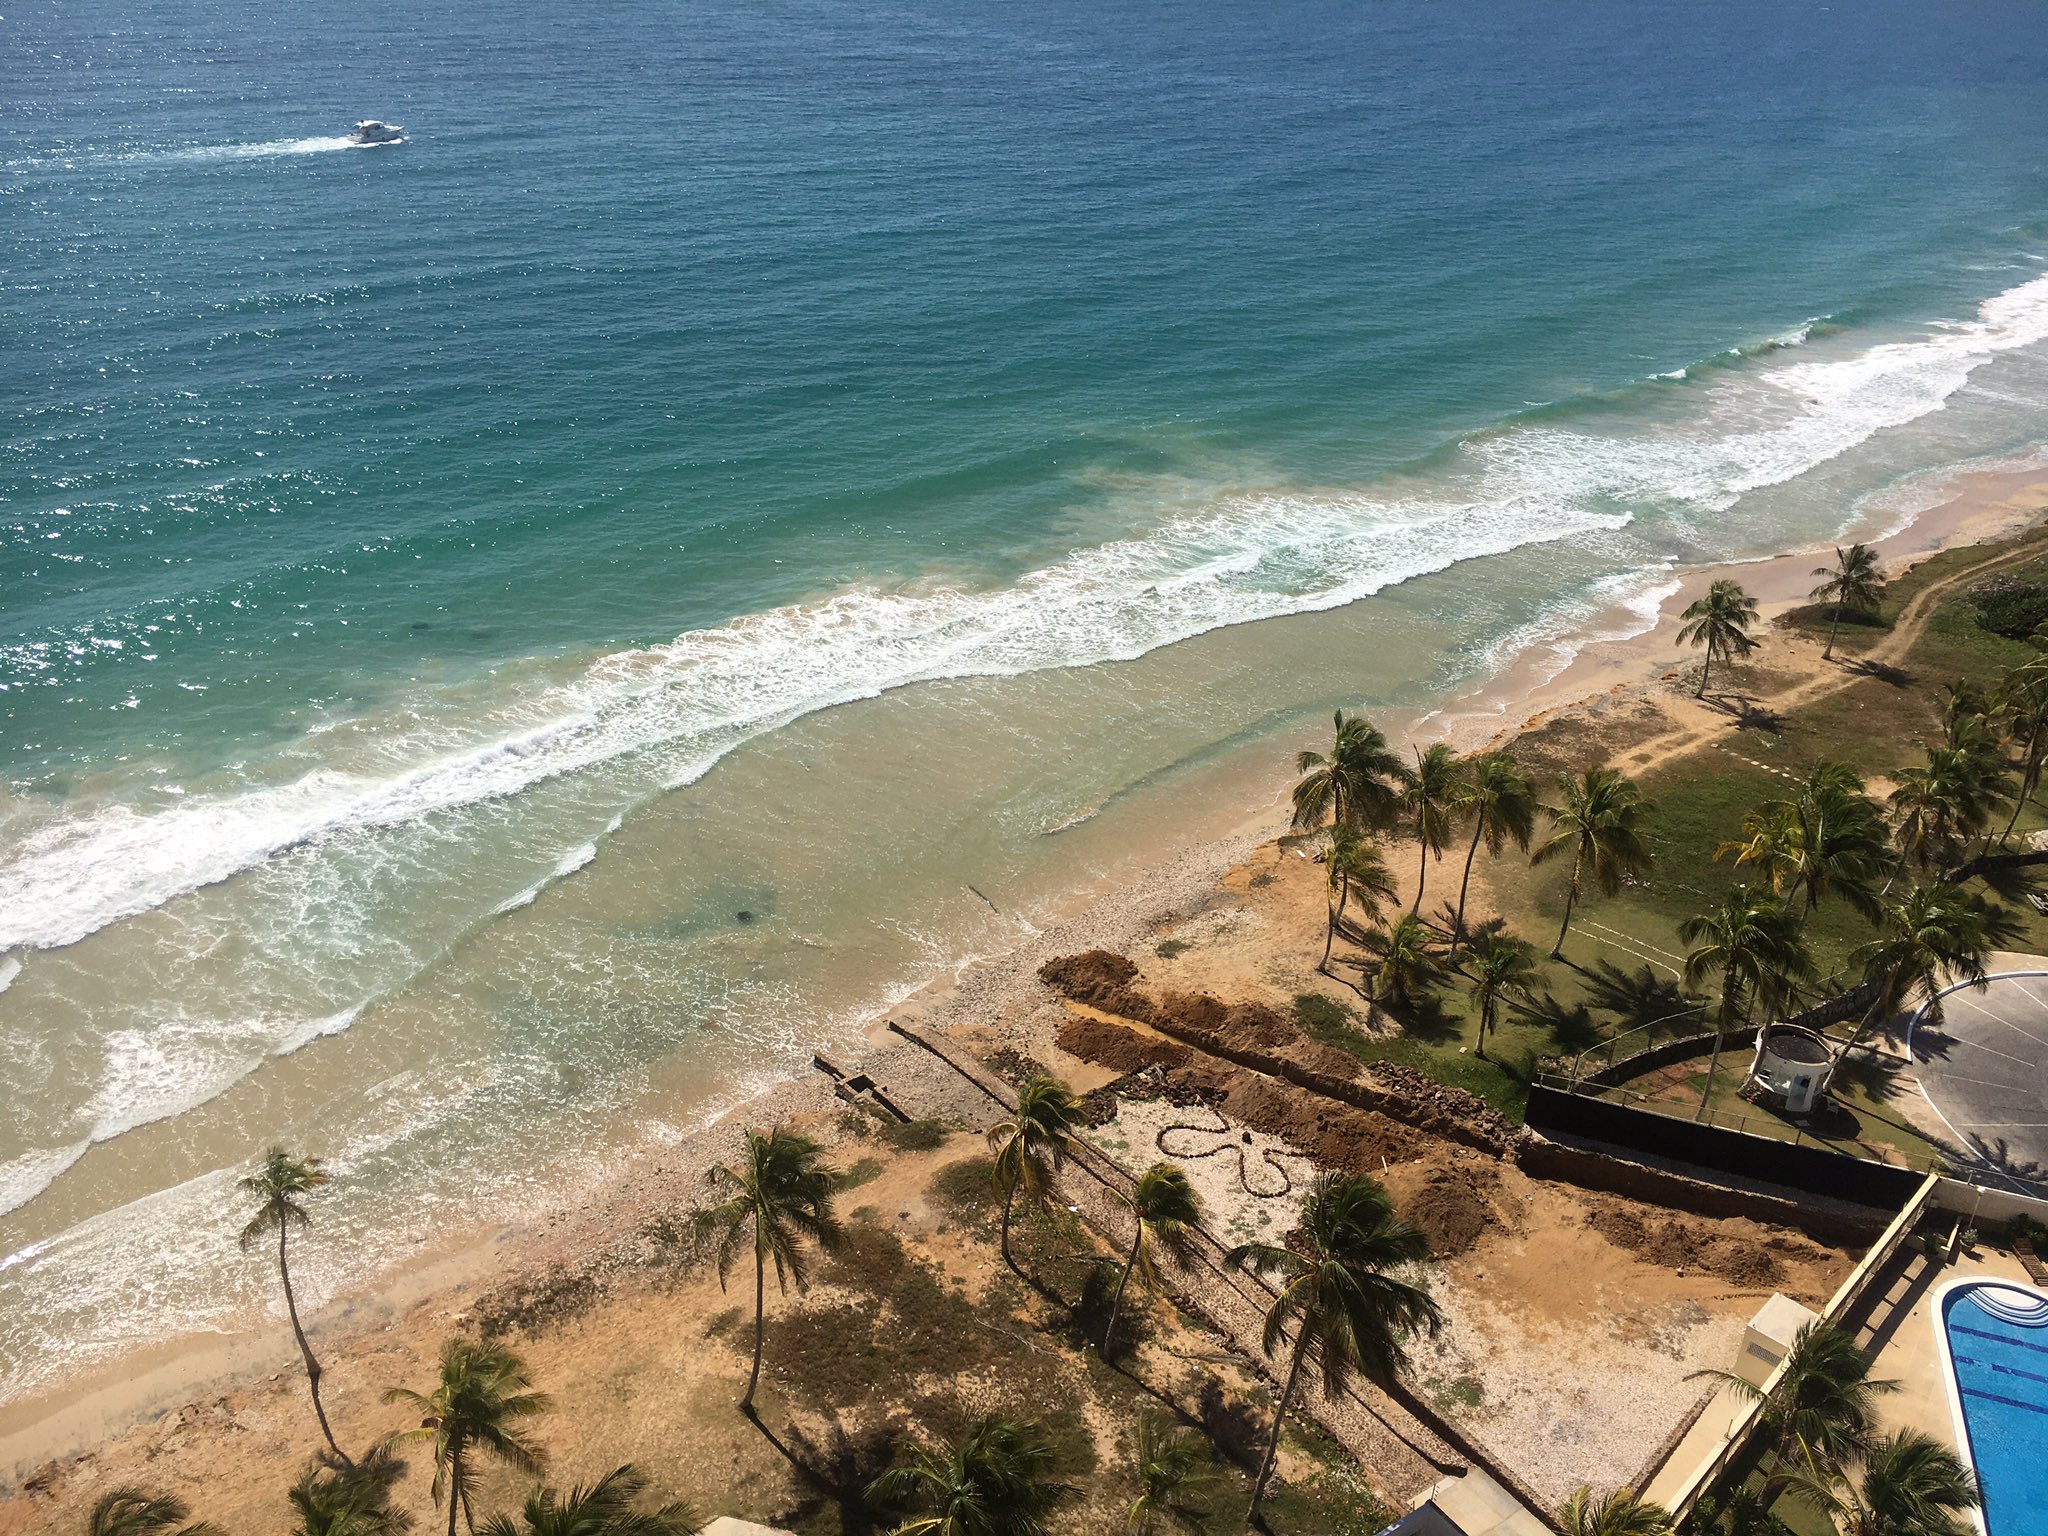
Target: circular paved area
{"points": [[1984, 1068]]}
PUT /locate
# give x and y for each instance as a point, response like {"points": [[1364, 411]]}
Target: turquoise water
{"points": [[1998, 1349], [428, 573]]}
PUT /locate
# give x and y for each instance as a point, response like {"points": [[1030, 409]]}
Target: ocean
{"points": [[510, 639]]}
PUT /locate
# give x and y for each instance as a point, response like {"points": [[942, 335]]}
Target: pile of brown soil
{"points": [[1679, 1244], [1114, 1046], [1446, 1203], [1099, 979]]}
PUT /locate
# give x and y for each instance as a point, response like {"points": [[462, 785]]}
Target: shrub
{"points": [[914, 1135], [2014, 610]]}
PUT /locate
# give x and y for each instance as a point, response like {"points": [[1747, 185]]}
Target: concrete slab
{"points": [[1984, 1068]]}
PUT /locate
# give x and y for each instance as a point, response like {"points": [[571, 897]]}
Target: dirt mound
{"points": [[1334, 1135], [1679, 1244], [1621, 1227], [1116, 1046], [1746, 1264], [1098, 978], [1446, 1203]]}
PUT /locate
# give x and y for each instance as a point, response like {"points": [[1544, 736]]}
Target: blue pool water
{"points": [[1998, 1348]]}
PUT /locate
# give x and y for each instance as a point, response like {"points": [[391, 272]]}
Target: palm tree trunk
{"points": [[1422, 858], [1720, 1033], [1571, 897], [1828, 654], [1336, 916], [291, 1306], [2019, 802], [1279, 1421], [1116, 1302], [1485, 1019], [1009, 1203], [456, 1488], [1706, 672], [1465, 885], [760, 1325]]}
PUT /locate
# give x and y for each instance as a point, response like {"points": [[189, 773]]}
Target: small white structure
{"points": [[1768, 1338], [1792, 1065]]}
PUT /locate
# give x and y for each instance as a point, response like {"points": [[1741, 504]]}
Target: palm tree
{"points": [[780, 1195], [1030, 1146], [1342, 1292], [2022, 701], [1501, 968], [1821, 1411], [1405, 960], [279, 1184], [1619, 1513], [1719, 621], [1910, 1484], [1359, 783], [1433, 796], [1502, 804], [1755, 945], [998, 1479], [1854, 584], [605, 1508], [1936, 935], [1355, 869], [1600, 821], [1167, 1213], [350, 1500], [483, 1394], [1174, 1475], [130, 1511], [1738, 1512], [1828, 840], [1937, 808]]}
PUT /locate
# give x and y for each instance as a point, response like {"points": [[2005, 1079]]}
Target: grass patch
{"points": [[1171, 949], [914, 1135], [866, 1171]]}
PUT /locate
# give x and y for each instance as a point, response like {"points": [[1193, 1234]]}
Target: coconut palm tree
{"points": [[333, 1500], [1500, 968], [1174, 1474], [1853, 584], [1828, 840], [1937, 808], [1937, 934], [608, 1507], [1619, 1513], [1405, 960], [998, 1479], [1502, 804], [780, 1196], [131, 1511], [1343, 1292], [279, 1186], [1821, 1411], [1355, 870], [1738, 1512], [1030, 1146], [1433, 798], [1719, 621], [1755, 946], [1908, 1484], [2022, 702], [1167, 1213], [476, 1409], [1359, 782], [1600, 822]]}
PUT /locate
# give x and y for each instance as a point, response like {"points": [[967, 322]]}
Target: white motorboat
{"points": [[370, 131]]}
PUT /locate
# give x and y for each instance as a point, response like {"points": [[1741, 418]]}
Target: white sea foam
{"points": [[23, 1178], [566, 866], [675, 709], [9, 969]]}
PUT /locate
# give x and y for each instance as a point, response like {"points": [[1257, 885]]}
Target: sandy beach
{"points": [[217, 1412]]}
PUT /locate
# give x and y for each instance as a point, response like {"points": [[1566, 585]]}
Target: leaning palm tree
{"points": [[1755, 946], [1406, 963], [1030, 1146], [1821, 1411], [608, 1507], [1853, 584], [1940, 807], [476, 1408], [1937, 934], [1719, 621], [334, 1500], [1174, 1476], [1167, 1213], [998, 1479], [130, 1511], [779, 1196], [1500, 968], [1600, 822], [1908, 1484], [1502, 804], [2022, 702], [1619, 1513], [1343, 1291], [1355, 870], [279, 1186], [1433, 798], [1827, 840], [1359, 782]]}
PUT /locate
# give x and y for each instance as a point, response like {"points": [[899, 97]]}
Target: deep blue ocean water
{"points": [[381, 530]]}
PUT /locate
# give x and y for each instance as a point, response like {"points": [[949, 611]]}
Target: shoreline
{"points": [[984, 997]]}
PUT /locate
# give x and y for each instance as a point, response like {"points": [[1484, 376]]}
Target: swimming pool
{"points": [[1994, 1336]]}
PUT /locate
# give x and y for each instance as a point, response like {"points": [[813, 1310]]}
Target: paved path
{"points": [[1984, 1068]]}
